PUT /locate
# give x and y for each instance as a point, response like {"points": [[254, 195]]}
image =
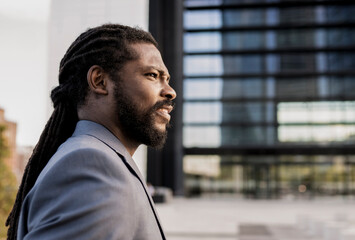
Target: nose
{"points": [[168, 92]]}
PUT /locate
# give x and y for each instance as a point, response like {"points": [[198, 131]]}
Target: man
{"points": [[81, 181]]}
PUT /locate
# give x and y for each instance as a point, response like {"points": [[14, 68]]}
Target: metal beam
{"points": [[274, 27], [164, 167], [279, 4], [289, 149]]}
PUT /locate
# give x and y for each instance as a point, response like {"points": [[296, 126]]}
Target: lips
{"points": [[164, 111]]}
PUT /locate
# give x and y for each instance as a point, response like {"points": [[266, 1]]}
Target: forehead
{"points": [[149, 55]]}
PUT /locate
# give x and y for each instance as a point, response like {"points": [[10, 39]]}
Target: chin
{"points": [[157, 137], [161, 127]]}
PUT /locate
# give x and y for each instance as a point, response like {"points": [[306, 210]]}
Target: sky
{"points": [[23, 66], [24, 91]]}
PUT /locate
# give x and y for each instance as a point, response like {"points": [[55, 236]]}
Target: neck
{"points": [[130, 145]]}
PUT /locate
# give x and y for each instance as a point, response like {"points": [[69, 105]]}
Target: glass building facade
{"points": [[268, 98]]}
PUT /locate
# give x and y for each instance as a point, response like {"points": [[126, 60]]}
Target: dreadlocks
{"points": [[106, 46]]}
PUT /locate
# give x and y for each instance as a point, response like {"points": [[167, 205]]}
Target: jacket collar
{"points": [[86, 127]]}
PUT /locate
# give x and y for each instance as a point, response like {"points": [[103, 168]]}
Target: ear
{"points": [[97, 79]]}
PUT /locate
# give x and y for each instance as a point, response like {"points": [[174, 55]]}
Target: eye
{"points": [[153, 75]]}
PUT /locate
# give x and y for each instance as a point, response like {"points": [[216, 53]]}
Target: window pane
{"points": [[296, 87], [203, 65], [341, 61], [332, 133], [202, 165], [214, 136], [237, 136], [243, 112], [245, 17], [243, 40], [203, 88], [330, 119], [342, 86], [216, 41], [297, 62], [340, 37], [340, 13], [199, 42], [297, 15], [244, 88], [217, 88], [192, 3], [243, 64], [202, 112], [295, 38], [209, 136], [217, 112], [217, 65], [213, 41], [316, 112], [202, 19]]}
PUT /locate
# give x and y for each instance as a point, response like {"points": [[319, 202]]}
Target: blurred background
{"points": [[266, 92]]}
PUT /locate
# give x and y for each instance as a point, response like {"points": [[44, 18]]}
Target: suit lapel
{"points": [[104, 135], [131, 165]]}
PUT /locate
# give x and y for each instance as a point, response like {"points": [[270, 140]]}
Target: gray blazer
{"points": [[90, 189]]}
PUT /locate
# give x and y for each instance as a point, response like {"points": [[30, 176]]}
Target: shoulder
{"points": [[82, 153], [85, 183], [83, 160], [81, 163]]}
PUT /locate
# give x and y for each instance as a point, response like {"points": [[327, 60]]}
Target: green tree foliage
{"points": [[4, 150], [8, 185]]}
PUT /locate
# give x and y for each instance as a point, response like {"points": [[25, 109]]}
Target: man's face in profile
{"points": [[143, 97]]}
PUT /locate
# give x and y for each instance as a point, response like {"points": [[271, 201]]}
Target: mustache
{"points": [[160, 104]]}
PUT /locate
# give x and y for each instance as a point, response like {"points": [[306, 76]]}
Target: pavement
{"points": [[227, 218]]}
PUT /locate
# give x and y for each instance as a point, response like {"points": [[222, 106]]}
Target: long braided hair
{"points": [[106, 46]]}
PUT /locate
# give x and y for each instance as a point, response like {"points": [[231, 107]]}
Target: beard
{"points": [[137, 124]]}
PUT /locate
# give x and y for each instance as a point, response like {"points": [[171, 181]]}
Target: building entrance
{"points": [[284, 177]]}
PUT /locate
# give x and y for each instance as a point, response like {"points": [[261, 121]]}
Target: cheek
{"points": [[144, 97]]}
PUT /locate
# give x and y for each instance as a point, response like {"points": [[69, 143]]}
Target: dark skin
{"points": [[146, 81]]}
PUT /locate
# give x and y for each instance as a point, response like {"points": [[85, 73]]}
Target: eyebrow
{"points": [[161, 71]]}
